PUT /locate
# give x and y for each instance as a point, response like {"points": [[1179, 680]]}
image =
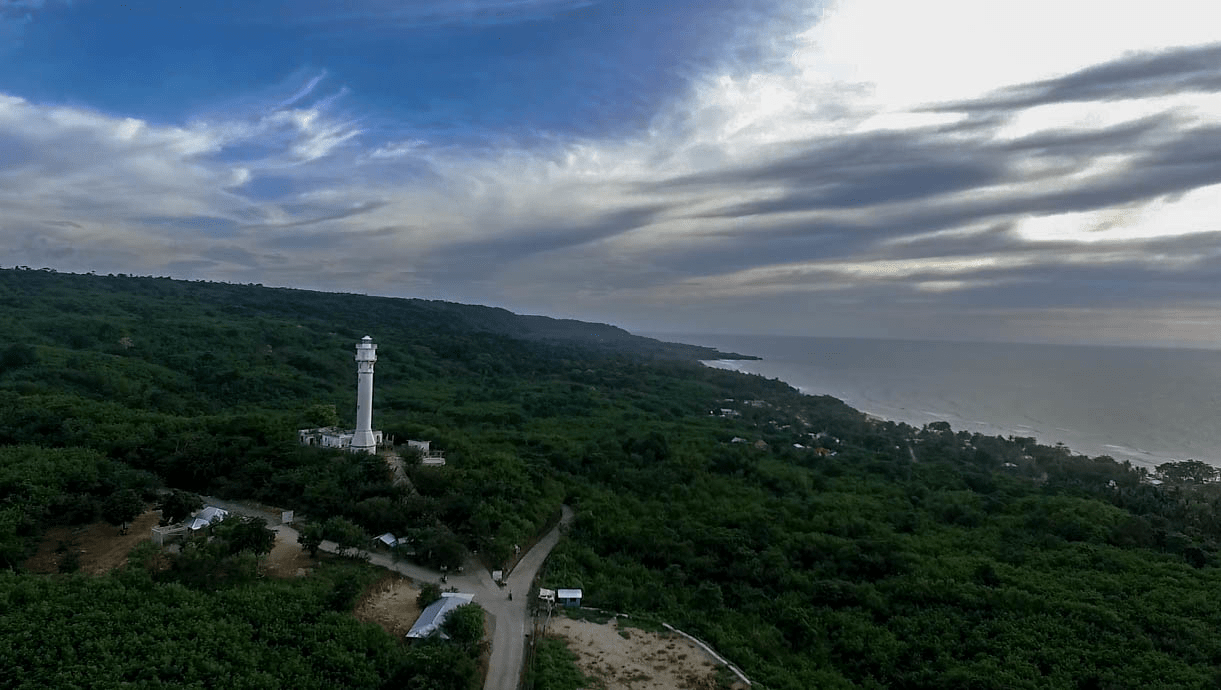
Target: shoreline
{"points": [[918, 418]]}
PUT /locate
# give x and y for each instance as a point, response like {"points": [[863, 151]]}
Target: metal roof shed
{"points": [[208, 516], [434, 615]]}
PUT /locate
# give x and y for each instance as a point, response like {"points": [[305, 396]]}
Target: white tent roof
{"points": [[569, 593], [388, 539]]}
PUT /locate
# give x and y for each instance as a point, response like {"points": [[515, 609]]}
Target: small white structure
{"points": [[547, 595], [434, 615], [569, 597], [332, 437], [210, 515], [169, 533], [362, 439], [388, 540], [428, 456]]}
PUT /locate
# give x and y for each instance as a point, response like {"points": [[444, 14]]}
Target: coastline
{"points": [[878, 411]]}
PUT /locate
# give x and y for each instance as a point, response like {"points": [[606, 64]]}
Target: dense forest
{"points": [[813, 546]]}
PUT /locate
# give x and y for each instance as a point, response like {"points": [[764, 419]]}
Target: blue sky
{"points": [[1031, 171]]}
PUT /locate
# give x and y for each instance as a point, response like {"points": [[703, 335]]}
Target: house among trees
{"points": [[433, 616], [569, 597]]}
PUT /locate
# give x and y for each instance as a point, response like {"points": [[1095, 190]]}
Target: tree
{"points": [[246, 534], [309, 536], [429, 592], [1188, 471], [437, 667], [320, 415], [347, 534], [344, 593], [121, 507], [464, 626], [17, 355], [178, 506], [441, 547]]}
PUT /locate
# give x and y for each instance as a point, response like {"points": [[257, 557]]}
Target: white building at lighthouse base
{"points": [[334, 437]]}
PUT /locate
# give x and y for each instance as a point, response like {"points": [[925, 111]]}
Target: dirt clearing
{"points": [[100, 546], [287, 558], [391, 603], [621, 657]]}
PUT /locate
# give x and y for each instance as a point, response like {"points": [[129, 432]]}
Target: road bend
{"points": [[507, 618]]}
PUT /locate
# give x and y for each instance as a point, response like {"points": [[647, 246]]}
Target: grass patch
{"points": [[555, 667]]}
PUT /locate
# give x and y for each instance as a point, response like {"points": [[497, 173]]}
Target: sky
{"points": [[1034, 171]]}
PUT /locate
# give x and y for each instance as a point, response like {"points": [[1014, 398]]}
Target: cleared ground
{"points": [[100, 546], [287, 558], [390, 603], [620, 657]]}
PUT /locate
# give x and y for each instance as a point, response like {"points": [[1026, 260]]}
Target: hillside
{"points": [[827, 550], [37, 302]]}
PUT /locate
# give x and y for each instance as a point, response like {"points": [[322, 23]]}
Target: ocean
{"points": [[1147, 405]]}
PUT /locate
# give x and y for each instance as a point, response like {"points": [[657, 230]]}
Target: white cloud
{"points": [[303, 91], [1197, 211], [866, 68], [941, 50]]}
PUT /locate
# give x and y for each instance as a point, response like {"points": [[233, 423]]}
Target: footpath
{"points": [[506, 618]]}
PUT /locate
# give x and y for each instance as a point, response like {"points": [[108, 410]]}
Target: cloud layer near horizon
{"points": [[931, 170]]}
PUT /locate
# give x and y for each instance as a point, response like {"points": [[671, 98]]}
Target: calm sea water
{"points": [[1147, 405]]}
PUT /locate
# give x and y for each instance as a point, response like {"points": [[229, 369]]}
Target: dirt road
{"points": [[506, 618]]}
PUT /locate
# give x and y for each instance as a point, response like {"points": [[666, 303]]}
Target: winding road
{"points": [[507, 619]]}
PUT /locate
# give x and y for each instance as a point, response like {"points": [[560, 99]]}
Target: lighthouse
{"points": [[362, 439], [366, 356]]}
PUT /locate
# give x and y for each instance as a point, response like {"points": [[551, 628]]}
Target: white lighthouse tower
{"points": [[366, 356]]}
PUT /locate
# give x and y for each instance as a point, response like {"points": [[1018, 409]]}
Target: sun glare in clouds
{"points": [[1197, 211], [941, 50], [1203, 108]]}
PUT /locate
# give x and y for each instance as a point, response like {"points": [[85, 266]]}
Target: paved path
{"points": [[506, 618]]}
